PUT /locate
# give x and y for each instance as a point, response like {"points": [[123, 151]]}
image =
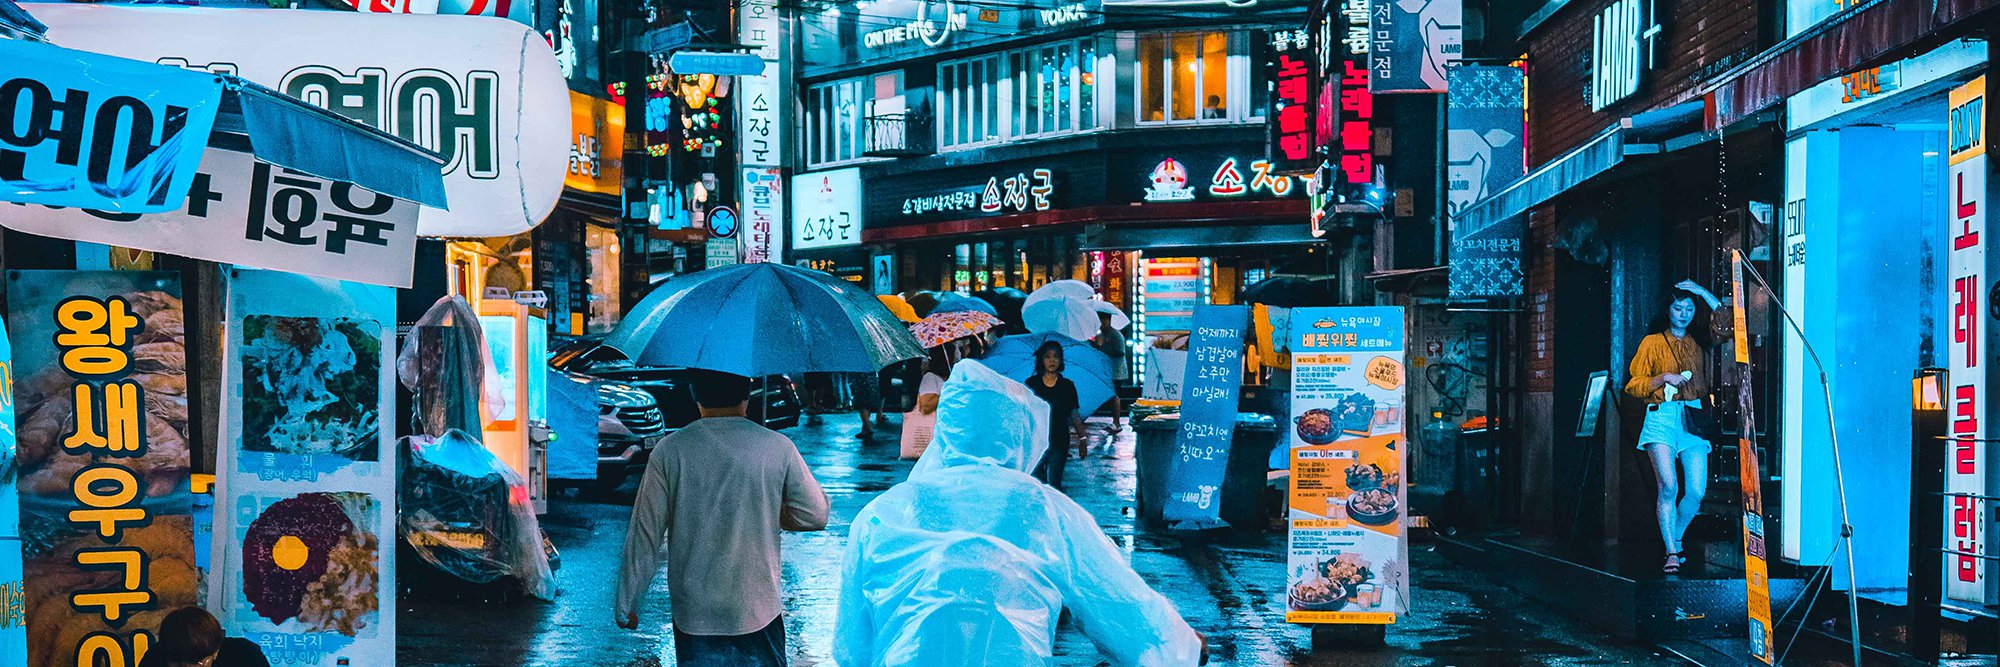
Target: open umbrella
{"points": [[900, 308], [1068, 307], [952, 302], [1294, 291], [940, 328], [1006, 303], [763, 319], [922, 302], [1089, 369]]}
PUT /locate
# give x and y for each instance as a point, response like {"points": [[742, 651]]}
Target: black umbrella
{"points": [[1008, 301], [1294, 291]]}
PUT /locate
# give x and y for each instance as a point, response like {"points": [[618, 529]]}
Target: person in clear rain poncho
{"points": [[971, 561]]}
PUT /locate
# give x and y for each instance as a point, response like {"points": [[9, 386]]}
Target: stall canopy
{"points": [[60, 88]]}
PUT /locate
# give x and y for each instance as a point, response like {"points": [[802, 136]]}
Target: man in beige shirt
{"points": [[720, 492]]}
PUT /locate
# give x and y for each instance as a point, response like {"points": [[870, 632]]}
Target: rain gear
{"points": [[971, 561]]}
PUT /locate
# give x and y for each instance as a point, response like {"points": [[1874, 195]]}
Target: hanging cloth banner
{"points": [[108, 542], [241, 210], [80, 129], [1212, 382], [1414, 42], [306, 487], [13, 613], [1486, 119]]}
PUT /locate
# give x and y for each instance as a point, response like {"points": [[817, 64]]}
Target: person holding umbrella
{"points": [[722, 491], [1065, 425], [947, 338]]}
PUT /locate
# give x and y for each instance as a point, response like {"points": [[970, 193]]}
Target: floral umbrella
{"points": [[941, 328]]}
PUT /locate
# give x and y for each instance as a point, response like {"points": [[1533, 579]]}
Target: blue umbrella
{"points": [[763, 319], [1089, 369], [955, 302]]}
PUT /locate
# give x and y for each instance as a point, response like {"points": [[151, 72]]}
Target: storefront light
{"points": [[1927, 390]]}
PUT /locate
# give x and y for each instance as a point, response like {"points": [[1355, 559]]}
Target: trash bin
{"points": [[1243, 498]]}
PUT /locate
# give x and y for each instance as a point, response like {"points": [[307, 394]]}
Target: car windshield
{"points": [[585, 355]]}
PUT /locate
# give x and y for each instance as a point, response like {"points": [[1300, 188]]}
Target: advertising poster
{"points": [[1212, 382], [306, 492], [1414, 42], [130, 132], [1486, 116], [241, 210], [1347, 550], [13, 609], [1172, 288], [1966, 578], [1756, 570], [108, 544]]}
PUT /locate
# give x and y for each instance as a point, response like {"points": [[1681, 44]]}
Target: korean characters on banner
{"points": [[1212, 382], [762, 132], [13, 596], [100, 132], [306, 493], [108, 545], [241, 210], [1292, 77], [1485, 121], [1413, 43], [1348, 550], [1354, 141], [487, 95], [1967, 579]]}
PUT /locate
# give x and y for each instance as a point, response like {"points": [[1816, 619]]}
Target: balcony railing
{"points": [[900, 135]]}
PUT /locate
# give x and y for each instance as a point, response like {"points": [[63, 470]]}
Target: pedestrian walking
{"points": [[1112, 343], [971, 561], [1669, 373], [1065, 424], [191, 637], [864, 391], [720, 491]]}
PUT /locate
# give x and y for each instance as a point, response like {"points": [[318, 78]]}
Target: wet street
{"points": [[1231, 590]]}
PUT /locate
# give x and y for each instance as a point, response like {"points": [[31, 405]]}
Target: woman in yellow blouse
{"points": [[1668, 373]]}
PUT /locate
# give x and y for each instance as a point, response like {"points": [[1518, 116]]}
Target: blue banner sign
{"points": [[97, 132], [1485, 119], [1209, 390]]}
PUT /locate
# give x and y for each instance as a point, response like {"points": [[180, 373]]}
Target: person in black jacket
{"points": [[191, 637]]}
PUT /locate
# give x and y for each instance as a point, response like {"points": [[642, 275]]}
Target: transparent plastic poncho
{"points": [[971, 561], [468, 514], [445, 362]]}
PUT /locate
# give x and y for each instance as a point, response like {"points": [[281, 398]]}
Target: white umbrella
{"points": [[1070, 308]]}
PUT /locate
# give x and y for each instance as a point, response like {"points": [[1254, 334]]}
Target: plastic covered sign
{"points": [[486, 93]]}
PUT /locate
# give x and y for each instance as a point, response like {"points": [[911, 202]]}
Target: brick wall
{"points": [[1699, 40]]}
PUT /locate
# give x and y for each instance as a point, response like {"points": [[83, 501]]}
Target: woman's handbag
{"points": [[1697, 421]]}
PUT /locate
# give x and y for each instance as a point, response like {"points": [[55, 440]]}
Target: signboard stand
{"points": [[1347, 548]]}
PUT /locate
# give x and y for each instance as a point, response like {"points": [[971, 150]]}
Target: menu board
{"points": [[1347, 550], [1172, 288], [1213, 380], [306, 497]]}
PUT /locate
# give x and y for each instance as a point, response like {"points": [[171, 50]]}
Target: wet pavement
{"points": [[1232, 589]]}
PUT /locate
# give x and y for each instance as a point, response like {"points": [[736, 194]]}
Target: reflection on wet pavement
{"points": [[1231, 589]]}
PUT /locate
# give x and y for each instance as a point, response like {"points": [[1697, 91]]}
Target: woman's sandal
{"points": [[1673, 565]]}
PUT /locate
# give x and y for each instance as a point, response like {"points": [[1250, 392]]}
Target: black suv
{"points": [[774, 402]]}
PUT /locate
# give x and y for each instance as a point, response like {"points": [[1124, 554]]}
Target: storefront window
{"points": [[834, 122], [601, 245], [1188, 77]]}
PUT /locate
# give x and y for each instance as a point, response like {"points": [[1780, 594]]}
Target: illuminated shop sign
{"points": [[1621, 50], [1026, 190], [1966, 578], [1230, 177], [1291, 127], [933, 23]]}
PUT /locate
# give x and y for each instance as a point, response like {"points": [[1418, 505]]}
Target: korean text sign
{"points": [[244, 211], [486, 94], [1213, 380], [826, 209], [13, 594], [109, 546], [80, 129], [1414, 42], [306, 494], [1347, 550], [1292, 83], [1966, 578]]}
